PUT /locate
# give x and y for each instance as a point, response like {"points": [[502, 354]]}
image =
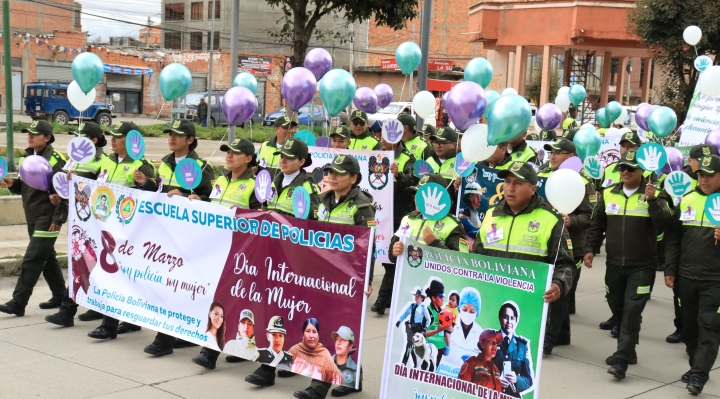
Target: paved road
{"points": [[43, 361]]}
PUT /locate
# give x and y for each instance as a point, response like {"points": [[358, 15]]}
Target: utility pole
{"points": [[352, 59], [147, 34], [8, 85], [410, 88], [212, 48], [424, 49], [234, 33]]}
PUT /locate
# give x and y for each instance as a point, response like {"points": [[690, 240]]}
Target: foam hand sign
{"points": [[593, 167], [421, 168], [433, 201], [306, 137], [702, 62], [188, 174], [462, 167], [263, 186], [61, 185], [81, 150], [712, 208], [652, 157], [678, 183], [135, 145], [392, 131], [3, 168], [301, 202]]}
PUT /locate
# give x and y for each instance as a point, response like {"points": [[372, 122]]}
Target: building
{"points": [[187, 25], [35, 18], [151, 36]]}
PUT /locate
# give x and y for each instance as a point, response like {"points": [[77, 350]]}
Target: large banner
{"points": [[376, 181], [702, 118], [257, 285], [485, 300]]}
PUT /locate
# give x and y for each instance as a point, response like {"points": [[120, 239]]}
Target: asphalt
{"points": [[40, 360]]}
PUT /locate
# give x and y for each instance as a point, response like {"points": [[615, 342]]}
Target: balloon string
{"points": [[402, 91], [216, 147], [696, 53], [159, 112], [557, 253]]}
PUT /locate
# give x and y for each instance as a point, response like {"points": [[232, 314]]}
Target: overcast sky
{"points": [[136, 11]]}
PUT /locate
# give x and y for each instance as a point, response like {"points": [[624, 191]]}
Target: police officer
{"points": [[500, 159], [44, 221], [570, 122], [427, 131], [576, 222], [344, 344], [267, 157], [631, 214], [402, 170], [515, 350], [362, 138], [293, 157], [416, 318], [520, 212], [543, 135], [272, 356], [234, 188], [521, 151], [340, 138], [344, 203], [414, 142], [119, 169], [691, 265], [444, 151], [182, 143]]}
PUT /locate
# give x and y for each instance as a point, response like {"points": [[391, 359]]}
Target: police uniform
{"points": [[612, 171], [516, 350], [240, 347], [569, 122], [270, 358], [420, 148], [523, 153], [40, 215], [416, 318], [692, 259], [558, 325], [427, 131], [281, 200], [631, 224], [445, 168], [365, 141], [544, 135], [267, 157]]}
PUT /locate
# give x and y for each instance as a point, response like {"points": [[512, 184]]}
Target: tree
{"points": [[660, 25], [300, 18], [533, 86]]}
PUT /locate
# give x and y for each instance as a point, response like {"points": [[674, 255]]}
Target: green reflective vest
{"points": [[416, 146], [602, 131], [282, 202], [168, 175], [617, 205], [54, 158], [367, 143], [413, 226], [568, 123], [120, 174], [694, 202], [523, 156], [91, 168], [344, 213], [235, 193], [267, 158], [447, 169], [527, 233], [438, 339]]}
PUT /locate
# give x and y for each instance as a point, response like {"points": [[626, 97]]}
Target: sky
{"points": [[127, 10]]}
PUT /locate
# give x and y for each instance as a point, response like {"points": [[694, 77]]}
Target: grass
{"points": [[4, 191]]}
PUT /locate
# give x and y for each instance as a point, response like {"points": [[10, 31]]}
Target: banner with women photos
{"points": [[259, 285], [377, 180], [464, 326]]}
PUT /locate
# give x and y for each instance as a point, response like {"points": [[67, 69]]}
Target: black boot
{"points": [[548, 347], [608, 324], [674, 338], [126, 327], [307, 393], [696, 385], [262, 377], [615, 332], [344, 391], [12, 308], [53, 303], [103, 332], [685, 378], [618, 369], [202, 359], [378, 307], [90, 315], [611, 360], [60, 319]]}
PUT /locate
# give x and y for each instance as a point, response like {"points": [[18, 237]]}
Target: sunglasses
{"points": [[625, 168], [358, 123], [556, 153]]}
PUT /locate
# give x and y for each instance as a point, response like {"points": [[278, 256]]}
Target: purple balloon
{"points": [[573, 163], [384, 95], [466, 104], [238, 105], [674, 158], [713, 139], [322, 141], [443, 99], [298, 87], [36, 172], [642, 113], [548, 116], [319, 62], [366, 100]]}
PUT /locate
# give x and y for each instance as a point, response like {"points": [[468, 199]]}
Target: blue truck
{"points": [[49, 100]]}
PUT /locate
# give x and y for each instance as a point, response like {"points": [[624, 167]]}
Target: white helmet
{"points": [[473, 188]]}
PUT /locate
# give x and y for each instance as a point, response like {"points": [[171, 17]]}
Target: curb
{"points": [[11, 267]]}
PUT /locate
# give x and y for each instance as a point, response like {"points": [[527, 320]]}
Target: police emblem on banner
{"points": [[103, 200], [415, 256], [378, 173], [82, 201], [125, 209]]}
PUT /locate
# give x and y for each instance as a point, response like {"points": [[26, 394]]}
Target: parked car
{"points": [[215, 115], [49, 101], [393, 110], [304, 115]]}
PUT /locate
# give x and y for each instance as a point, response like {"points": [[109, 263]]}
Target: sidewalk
{"points": [[41, 360], [14, 240]]}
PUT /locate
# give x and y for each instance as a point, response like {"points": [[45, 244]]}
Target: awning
{"points": [[127, 70], [441, 85]]}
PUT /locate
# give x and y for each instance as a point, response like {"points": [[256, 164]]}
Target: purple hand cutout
{"points": [[300, 200], [189, 173], [136, 145], [422, 168], [263, 186], [393, 131], [61, 185], [3, 168], [80, 150]]}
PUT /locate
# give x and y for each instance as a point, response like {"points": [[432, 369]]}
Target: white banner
{"points": [[703, 117], [376, 181]]}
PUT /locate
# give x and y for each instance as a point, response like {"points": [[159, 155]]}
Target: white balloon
{"points": [[475, 147], [623, 130], [509, 90], [424, 104], [565, 190], [537, 127], [621, 119], [563, 92], [563, 102], [78, 99], [709, 81], [692, 35], [612, 132]]}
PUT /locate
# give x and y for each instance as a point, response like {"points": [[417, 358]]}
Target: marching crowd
{"points": [[645, 231]]}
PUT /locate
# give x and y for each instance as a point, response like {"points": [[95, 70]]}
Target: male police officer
{"points": [[414, 142], [570, 122], [267, 156], [523, 226], [499, 159], [692, 256], [632, 215], [362, 138], [44, 221], [445, 149], [520, 151]]}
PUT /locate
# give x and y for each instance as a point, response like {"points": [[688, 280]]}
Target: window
{"points": [[59, 93], [196, 11], [613, 69], [173, 40], [76, 17], [215, 42], [196, 41], [15, 62], [175, 12], [217, 9], [642, 72]]}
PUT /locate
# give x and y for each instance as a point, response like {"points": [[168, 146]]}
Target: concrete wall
{"points": [[12, 210]]}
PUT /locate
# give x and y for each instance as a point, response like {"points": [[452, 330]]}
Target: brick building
{"points": [[39, 19], [151, 36]]}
